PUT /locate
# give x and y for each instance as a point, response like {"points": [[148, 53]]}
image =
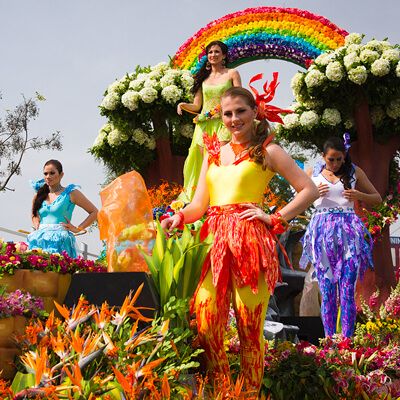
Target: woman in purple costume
{"points": [[336, 241]]}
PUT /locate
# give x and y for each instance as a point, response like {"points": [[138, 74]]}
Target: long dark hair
{"points": [[346, 171], [262, 131], [204, 73], [42, 193]]}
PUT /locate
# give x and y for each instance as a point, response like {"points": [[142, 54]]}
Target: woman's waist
{"points": [[52, 226], [229, 208], [334, 210]]}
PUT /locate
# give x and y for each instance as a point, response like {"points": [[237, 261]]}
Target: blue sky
{"points": [[70, 52]]}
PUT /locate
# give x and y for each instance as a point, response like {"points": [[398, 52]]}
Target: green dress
{"points": [[211, 99]]}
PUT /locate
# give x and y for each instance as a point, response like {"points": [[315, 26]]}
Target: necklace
{"points": [[56, 189], [239, 148]]}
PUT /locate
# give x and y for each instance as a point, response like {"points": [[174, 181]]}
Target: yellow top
{"points": [[244, 182]]}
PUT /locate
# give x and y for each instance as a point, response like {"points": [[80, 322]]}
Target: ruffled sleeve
{"points": [[70, 188]]}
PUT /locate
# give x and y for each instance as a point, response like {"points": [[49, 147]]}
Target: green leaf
{"points": [[22, 381]]}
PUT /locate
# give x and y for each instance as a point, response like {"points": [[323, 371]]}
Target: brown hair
{"points": [[263, 129]]}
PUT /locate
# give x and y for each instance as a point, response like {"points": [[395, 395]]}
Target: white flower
{"points": [[368, 56], [115, 86], [377, 115], [295, 106], [393, 110], [351, 38], [309, 119], [151, 83], [136, 84], [162, 67], [171, 94], [314, 79], [142, 76], [331, 116], [380, 67], [391, 54], [148, 94], [297, 82], [187, 130], [312, 103], [351, 60], [110, 101], [334, 71], [130, 100], [353, 48], [100, 138], [187, 81], [167, 80], [358, 75], [151, 143], [139, 136], [291, 121], [398, 70], [349, 123], [324, 59], [115, 137], [375, 45]]}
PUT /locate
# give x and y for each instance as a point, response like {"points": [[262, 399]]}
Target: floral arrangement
{"points": [[15, 256], [263, 32], [141, 107], [19, 303], [372, 69], [162, 196]]}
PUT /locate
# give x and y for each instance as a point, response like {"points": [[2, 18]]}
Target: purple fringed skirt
{"points": [[334, 238]]}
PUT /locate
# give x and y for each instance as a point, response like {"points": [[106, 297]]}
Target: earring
{"points": [[208, 66], [223, 62]]}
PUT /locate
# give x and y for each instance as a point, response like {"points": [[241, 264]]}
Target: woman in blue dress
{"points": [[52, 210]]}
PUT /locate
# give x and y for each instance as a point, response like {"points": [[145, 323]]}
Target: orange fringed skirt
{"points": [[241, 250]]}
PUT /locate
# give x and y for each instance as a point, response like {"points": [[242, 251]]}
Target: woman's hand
{"points": [[254, 212], [169, 224], [69, 227], [352, 194], [179, 108], [323, 189]]}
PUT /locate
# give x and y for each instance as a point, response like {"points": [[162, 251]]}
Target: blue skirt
{"points": [[53, 238]]}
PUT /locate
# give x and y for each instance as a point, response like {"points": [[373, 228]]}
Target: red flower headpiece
{"points": [[266, 111]]}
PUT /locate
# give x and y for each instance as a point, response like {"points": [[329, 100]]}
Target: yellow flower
{"points": [[177, 205]]}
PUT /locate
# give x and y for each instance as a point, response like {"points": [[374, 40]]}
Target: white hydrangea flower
{"points": [[376, 45], [151, 83], [155, 74], [377, 115], [130, 100], [368, 56], [334, 71], [110, 101], [142, 76], [295, 106], [137, 84], [380, 67], [291, 121], [392, 55], [187, 130], [171, 94], [324, 59], [139, 136], [393, 109], [148, 95], [353, 38], [297, 82], [351, 60], [162, 67], [358, 75], [331, 116], [151, 143], [349, 123], [115, 86], [398, 70], [100, 138], [187, 81], [353, 48], [314, 79], [167, 80], [312, 103], [309, 119], [115, 137]]}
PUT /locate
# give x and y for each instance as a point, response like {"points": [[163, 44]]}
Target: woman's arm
{"points": [[197, 207], [80, 200], [193, 107], [367, 193], [235, 76], [306, 190], [35, 219]]}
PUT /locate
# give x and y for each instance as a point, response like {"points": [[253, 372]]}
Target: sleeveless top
{"points": [[244, 181], [61, 208], [334, 198]]}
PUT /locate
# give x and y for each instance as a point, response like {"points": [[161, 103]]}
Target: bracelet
{"points": [[80, 228], [181, 220], [278, 223]]}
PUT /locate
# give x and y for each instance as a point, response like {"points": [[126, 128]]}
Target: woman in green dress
{"points": [[210, 83]]}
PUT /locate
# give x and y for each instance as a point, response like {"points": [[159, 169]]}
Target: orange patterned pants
{"points": [[250, 310]]}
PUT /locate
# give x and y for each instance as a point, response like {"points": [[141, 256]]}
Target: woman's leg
{"points": [[212, 316], [348, 307], [328, 303], [250, 312]]}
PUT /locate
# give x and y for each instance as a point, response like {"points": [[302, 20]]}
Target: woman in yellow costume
{"points": [[210, 83], [242, 266]]}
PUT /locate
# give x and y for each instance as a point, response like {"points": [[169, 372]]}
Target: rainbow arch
{"points": [[288, 34]]}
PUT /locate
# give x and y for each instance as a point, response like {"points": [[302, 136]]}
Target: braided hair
{"points": [[203, 72], [42, 193], [346, 171]]}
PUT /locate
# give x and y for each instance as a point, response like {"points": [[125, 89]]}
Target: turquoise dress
{"points": [[51, 236]]}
